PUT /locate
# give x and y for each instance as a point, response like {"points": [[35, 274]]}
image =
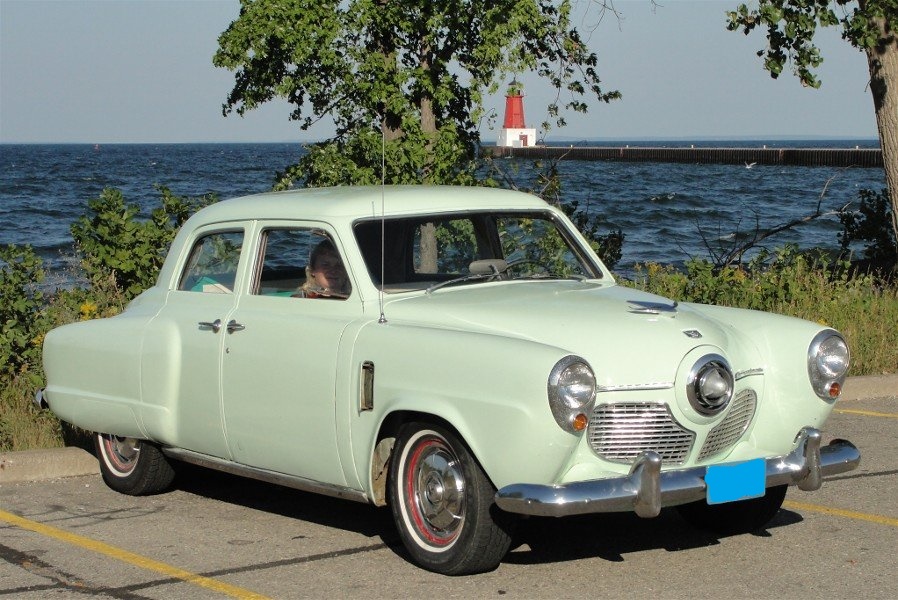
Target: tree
{"points": [[403, 80], [869, 25]]}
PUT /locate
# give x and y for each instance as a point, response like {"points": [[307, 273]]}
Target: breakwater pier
{"points": [[806, 157]]}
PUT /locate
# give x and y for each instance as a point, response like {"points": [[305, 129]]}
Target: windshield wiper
{"points": [[544, 274], [479, 269], [462, 279], [492, 268], [551, 276]]}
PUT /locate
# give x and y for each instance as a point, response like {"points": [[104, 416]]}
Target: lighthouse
{"points": [[515, 132]]}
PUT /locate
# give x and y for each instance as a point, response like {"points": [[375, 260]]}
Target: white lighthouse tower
{"points": [[515, 133]]}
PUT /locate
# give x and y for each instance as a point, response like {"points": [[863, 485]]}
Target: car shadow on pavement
{"points": [[538, 540], [323, 510], [612, 536]]}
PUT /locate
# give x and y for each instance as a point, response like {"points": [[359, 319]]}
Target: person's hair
{"points": [[324, 247]]}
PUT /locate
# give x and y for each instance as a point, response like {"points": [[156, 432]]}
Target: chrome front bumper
{"points": [[646, 490]]}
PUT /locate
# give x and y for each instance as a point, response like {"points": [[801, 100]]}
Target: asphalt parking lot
{"points": [[217, 536]]}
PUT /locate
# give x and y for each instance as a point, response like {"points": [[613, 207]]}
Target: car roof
{"points": [[362, 201]]}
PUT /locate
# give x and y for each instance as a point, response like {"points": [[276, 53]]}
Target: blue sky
{"points": [[121, 71]]}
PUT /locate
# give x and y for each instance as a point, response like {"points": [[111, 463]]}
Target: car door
{"points": [[279, 367], [193, 324]]}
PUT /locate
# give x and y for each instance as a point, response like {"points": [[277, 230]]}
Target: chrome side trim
{"points": [[666, 385], [291, 481], [635, 387], [647, 489], [748, 373]]}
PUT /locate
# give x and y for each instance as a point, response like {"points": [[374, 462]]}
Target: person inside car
{"points": [[326, 276]]}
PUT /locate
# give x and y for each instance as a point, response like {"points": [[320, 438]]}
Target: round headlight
{"points": [[710, 384], [828, 359], [572, 389]]}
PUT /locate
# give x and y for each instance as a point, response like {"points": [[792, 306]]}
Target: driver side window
{"points": [[301, 263]]}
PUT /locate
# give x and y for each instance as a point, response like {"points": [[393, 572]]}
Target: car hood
{"points": [[629, 336]]}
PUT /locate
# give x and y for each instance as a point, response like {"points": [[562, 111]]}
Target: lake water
{"points": [[668, 212]]}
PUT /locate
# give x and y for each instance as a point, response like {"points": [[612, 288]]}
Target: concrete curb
{"points": [[870, 386], [49, 463], [52, 463]]}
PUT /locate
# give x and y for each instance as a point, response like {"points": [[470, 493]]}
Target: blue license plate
{"points": [[737, 481]]}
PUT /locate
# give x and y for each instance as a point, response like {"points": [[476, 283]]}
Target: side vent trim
{"points": [[366, 387]]}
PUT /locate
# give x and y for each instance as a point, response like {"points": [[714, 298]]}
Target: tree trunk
{"points": [[428, 249], [428, 118], [385, 44], [883, 63]]}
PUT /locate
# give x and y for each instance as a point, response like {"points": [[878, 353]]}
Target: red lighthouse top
{"points": [[514, 106]]}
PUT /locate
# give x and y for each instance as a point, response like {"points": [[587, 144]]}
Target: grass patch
{"points": [[22, 425], [862, 307]]}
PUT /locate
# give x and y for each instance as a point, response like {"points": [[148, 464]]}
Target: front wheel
{"points": [[443, 503], [132, 466], [735, 517]]}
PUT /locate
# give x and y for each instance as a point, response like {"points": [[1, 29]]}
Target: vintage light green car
{"points": [[459, 354]]}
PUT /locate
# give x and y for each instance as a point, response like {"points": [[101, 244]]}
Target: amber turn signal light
{"points": [[580, 422], [835, 390]]}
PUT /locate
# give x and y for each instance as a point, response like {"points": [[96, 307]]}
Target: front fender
{"points": [[491, 389]]}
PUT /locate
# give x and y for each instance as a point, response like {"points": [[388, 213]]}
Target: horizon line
{"points": [[565, 139]]}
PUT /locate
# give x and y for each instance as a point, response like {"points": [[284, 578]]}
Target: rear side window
{"points": [[212, 265]]}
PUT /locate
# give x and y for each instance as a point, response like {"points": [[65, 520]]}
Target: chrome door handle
{"points": [[235, 326], [215, 325]]}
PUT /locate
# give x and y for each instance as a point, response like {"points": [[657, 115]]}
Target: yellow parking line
{"points": [[866, 413], [129, 557], [850, 514]]}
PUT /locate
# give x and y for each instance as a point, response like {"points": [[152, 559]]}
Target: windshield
{"points": [[424, 251]]}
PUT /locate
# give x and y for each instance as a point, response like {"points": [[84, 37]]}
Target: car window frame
{"points": [[257, 252], [567, 231], [190, 245]]}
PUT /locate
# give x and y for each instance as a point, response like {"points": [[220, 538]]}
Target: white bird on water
{"points": [[750, 165]]}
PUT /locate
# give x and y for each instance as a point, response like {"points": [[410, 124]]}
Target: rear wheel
{"points": [[442, 503], [735, 517], [132, 466]]}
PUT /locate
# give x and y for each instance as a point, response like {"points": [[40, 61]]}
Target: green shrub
{"points": [[23, 320], [871, 224], [114, 242], [798, 284]]}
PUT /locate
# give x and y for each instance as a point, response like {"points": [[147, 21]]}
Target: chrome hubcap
{"points": [[439, 492], [125, 448], [122, 452]]}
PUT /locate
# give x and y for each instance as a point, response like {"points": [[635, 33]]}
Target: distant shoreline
{"points": [[693, 154], [675, 142]]}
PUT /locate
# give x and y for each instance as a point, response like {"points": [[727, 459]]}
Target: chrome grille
{"points": [[727, 432], [620, 431]]}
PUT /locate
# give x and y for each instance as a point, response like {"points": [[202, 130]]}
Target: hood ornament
{"points": [[641, 307]]}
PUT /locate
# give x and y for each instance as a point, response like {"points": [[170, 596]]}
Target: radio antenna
{"points": [[383, 178]]}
